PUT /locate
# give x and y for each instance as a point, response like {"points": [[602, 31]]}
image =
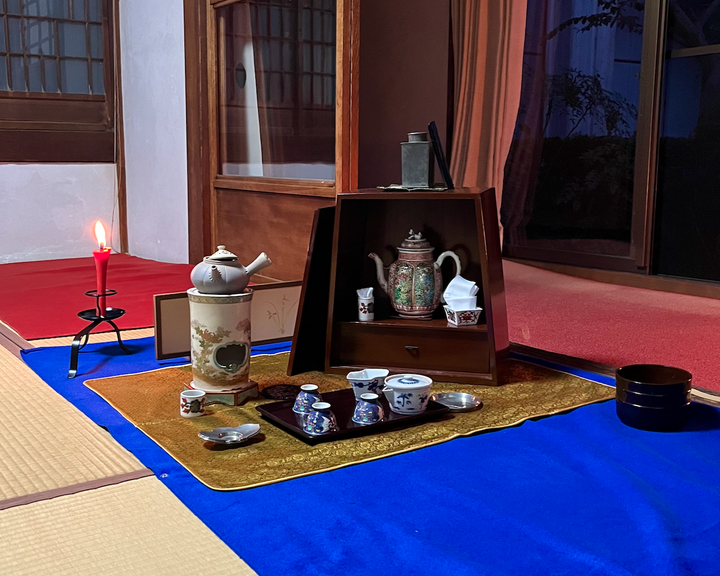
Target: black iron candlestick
{"points": [[96, 317]]}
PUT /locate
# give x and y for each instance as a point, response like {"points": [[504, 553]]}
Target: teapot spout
{"points": [[380, 270], [388, 392], [258, 264]]}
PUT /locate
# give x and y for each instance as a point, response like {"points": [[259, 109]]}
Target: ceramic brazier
{"points": [[220, 340]]}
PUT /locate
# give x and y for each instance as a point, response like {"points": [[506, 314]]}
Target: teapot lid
{"points": [[415, 241], [222, 255], [407, 381]]}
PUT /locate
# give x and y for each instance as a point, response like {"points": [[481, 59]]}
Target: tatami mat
{"points": [[46, 444], [100, 337], [136, 528]]}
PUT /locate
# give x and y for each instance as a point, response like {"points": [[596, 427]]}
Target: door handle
{"points": [[412, 349]]}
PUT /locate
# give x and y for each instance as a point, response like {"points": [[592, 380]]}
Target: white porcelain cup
{"points": [[459, 287], [192, 403], [366, 309], [466, 303]]}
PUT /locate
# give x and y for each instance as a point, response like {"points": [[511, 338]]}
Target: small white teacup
{"points": [[366, 381], [366, 309], [192, 403]]}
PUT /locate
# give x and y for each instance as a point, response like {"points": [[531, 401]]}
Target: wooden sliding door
{"points": [[579, 179], [271, 138]]}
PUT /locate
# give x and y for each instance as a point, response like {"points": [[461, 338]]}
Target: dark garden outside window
{"points": [[569, 177], [615, 155], [56, 81]]}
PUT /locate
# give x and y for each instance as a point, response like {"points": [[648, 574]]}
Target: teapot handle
{"points": [[451, 254]]}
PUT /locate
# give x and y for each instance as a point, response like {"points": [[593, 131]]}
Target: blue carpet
{"points": [[577, 493]]}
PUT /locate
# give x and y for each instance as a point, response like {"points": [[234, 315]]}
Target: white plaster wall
{"points": [[48, 211], [153, 82]]}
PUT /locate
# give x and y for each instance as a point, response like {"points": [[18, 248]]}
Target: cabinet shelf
{"points": [[436, 324]]}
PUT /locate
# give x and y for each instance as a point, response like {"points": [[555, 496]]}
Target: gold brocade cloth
{"points": [[151, 401]]}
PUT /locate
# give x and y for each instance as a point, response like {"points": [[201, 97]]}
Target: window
{"points": [[569, 180], [56, 81], [614, 160], [687, 239], [278, 103]]}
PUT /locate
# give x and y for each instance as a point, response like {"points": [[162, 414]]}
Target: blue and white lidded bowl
{"points": [[407, 393], [308, 396]]}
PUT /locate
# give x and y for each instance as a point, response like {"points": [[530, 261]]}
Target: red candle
{"points": [[102, 255]]}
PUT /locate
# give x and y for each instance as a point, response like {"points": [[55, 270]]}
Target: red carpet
{"points": [[42, 299], [615, 325]]}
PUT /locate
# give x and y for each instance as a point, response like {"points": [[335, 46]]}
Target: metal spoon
{"points": [[234, 435]]}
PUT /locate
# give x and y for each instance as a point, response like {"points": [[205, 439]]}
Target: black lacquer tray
{"points": [[343, 405]]}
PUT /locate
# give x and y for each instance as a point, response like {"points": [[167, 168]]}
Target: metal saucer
{"points": [[458, 401], [230, 435]]}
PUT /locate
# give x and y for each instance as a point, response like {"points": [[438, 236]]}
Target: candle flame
{"points": [[100, 234]]}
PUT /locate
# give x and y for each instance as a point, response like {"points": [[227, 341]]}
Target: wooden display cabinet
{"points": [[463, 220]]}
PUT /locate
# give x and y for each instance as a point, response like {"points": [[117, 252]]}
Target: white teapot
{"points": [[222, 273]]}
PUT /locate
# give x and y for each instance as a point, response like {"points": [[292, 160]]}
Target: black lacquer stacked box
{"points": [[653, 397]]}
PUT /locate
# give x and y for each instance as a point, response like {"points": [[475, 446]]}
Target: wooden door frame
{"points": [[647, 137], [120, 158], [200, 75], [198, 159]]}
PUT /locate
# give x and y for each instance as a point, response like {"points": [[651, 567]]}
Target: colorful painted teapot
{"points": [[221, 273], [414, 281]]}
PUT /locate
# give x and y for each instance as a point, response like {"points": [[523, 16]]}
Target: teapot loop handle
{"points": [[450, 254]]}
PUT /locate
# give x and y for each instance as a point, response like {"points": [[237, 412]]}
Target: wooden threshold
{"points": [[700, 395], [12, 341], [649, 282], [563, 359]]}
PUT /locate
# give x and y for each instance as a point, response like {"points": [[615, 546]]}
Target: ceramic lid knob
{"points": [[415, 240], [222, 255]]}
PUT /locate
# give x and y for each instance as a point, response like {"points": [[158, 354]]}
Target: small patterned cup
{"points": [[320, 420], [366, 309], [368, 410], [192, 403], [308, 396]]}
